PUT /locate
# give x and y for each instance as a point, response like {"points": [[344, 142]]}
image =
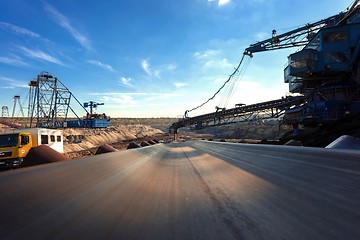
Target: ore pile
{"points": [[41, 155], [144, 144], [133, 145], [106, 148]]}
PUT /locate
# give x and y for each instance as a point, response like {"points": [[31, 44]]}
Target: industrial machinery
{"points": [[324, 75], [92, 119], [50, 103]]}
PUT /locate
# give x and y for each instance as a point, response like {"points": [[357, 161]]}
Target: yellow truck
{"points": [[15, 144]]}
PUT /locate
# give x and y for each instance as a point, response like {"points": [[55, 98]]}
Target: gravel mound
{"points": [[41, 155], [133, 145], [105, 148], [144, 144]]}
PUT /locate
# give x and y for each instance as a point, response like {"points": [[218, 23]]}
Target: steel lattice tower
{"points": [[17, 100], [49, 101], [5, 111]]}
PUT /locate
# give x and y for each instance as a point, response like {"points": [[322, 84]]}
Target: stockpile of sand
{"points": [[144, 144], [41, 155], [133, 145], [105, 148], [82, 139]]}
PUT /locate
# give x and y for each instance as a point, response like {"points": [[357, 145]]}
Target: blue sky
{"points": [[147, 58]]}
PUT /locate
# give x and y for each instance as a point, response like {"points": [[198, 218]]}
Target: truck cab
{"points": [[13, 148]]}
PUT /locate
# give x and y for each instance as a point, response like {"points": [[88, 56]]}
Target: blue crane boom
{"points": [[300, 36]]}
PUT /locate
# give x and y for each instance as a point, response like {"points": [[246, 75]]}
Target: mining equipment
{"points": [[323, 77], [50, 102]]}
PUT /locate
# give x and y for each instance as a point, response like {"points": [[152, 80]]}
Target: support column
{"points": [[175, 134]]}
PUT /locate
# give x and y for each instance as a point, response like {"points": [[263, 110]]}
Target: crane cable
{"points": [[229, 92], [228, 80]]}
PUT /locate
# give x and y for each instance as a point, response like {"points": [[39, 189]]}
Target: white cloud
{"points": [[180, 84], [223, 2], [37, 54], [13, 60], [148, 70], [145, 66], [124, 99], [171, 67], [65, 23], [134, 98], [212, 59], [207, 54], [138, 104], [141, 96], [18, 30], [102, 65], [220, 2], [13, 83], [218, 64], [126, 81]]}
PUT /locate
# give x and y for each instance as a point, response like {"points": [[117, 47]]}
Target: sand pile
{"points": [[82, 139], [41, 155], [144, 144], [105, 148], [133, 145]]}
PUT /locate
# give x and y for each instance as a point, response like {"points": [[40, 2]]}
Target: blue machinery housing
{"points": [[88, 123], [324, 75]]}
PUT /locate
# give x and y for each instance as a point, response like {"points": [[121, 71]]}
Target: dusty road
{"points": [[191, 190]]}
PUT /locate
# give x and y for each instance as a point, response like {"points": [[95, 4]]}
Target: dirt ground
{"points": [[123, 144], [80, 142]]}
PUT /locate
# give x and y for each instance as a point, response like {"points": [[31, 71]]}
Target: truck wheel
{"points": [[17, 163]]}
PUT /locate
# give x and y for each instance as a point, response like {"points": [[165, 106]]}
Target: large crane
{"points": [[325, 74], [300, 36], [50, 102]]}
